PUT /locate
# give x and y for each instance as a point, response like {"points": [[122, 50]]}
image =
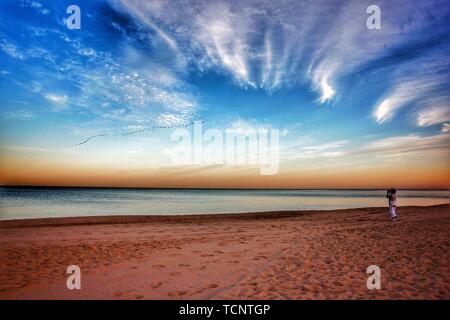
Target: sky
{"points": [[354, 107]]}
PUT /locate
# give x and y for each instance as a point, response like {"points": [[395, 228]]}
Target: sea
{"points": [[42, 202]]}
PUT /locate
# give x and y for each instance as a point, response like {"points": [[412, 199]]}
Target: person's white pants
{"points": [[392, 210]]}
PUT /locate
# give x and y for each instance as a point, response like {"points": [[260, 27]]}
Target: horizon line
{"points": [[201, 188]]}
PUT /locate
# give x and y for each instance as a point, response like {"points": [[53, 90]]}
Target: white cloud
{"points": [[268, 66], [117, 88], [173, 119], [326, 146], [327, 91], [222, 34], [270, 45], [132, 95], [35, 5], [387, 108], [11, 50], [405, 92], [19, 114], [305, 148], [59, 99], [135, 8], [408, 146], [433, 115]]}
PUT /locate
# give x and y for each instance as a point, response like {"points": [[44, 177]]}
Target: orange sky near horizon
{"points": [[18, 171]]}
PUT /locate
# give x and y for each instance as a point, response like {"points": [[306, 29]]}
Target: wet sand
{"points": [[275, 255]]}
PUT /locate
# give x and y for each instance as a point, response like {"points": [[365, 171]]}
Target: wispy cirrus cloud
{"points": [[58, 99], [408, 146], [309, 148], [34, 4], [19, 114], [422, 91], [140, 9], [11, 49], [271, 45], [433, 115], [110, 87], [402, 147], [327, 149], [395, 100]]}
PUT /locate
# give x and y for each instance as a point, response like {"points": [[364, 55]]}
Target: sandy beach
{"points": [[274, 255]]}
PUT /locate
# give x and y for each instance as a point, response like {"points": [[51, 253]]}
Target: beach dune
{"points": [[273, 255]]}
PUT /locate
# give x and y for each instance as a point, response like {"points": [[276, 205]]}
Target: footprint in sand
{"points": [[184, 265], [177, 293], [156, 285]]}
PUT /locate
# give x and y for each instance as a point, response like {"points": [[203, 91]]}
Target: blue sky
{"points": [[342, 95]]}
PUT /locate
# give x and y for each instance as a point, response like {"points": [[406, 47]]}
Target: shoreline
{"points": [[177, 218]]}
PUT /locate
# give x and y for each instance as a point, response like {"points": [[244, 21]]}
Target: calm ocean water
{"points": [[20, 203]]}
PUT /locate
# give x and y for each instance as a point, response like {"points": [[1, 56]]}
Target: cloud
{"points": [[11, 50], [327, 91], [445, 128], [25, 148], [222, 34], [406, 91], [433, 115], [135, 8], [19, 114], [408, 146], [305, 148], [131, 94], [22, 54], [126, 86], [395, 147], [387, 108], [35, 5], [55, 98], [176, 119], [270, 45], [263, 45]]}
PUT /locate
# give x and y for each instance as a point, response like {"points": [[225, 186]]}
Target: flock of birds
{"points": [[187, 121]]}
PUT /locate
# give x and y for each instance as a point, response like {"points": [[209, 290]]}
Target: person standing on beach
{"points": [[392, 196]]}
